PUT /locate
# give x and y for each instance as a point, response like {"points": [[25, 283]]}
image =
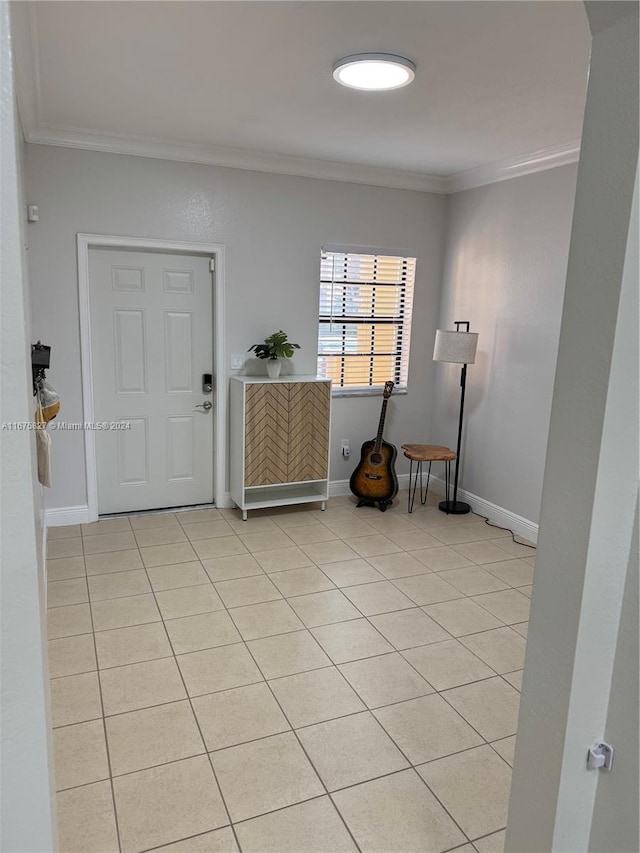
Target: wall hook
{"points": [[40, 360]]}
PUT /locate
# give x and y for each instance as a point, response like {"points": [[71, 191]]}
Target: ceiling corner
{"points": [[526, 164], [24, 37]]}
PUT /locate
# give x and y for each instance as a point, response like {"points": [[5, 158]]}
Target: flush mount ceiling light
{"points": [[374, 72]]}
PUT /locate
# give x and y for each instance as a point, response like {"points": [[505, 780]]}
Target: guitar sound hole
{"points": [[375, 458]]}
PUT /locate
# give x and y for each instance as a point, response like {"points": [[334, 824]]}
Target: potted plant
{"points": [[274, 349]]}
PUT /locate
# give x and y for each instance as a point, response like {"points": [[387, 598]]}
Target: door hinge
{"points": [[600, 756], [212, 264]]}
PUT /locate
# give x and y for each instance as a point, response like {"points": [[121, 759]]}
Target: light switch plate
{"points": [[237, 362]]}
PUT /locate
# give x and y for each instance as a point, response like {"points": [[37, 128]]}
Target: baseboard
{"points": [[63, 515], [496, 514], [60, 516]]}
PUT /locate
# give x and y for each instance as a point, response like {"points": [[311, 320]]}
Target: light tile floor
{"points": [[303, 681]]}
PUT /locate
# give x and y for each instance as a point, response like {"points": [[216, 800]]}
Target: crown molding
{"points": [[282, 164], [237, 158], [525, 164]]}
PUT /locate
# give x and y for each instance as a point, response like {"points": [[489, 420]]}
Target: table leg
{"points": [[423, 498], [413, 484], [447, 479]]}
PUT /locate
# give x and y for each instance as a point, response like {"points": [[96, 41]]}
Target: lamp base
{"points": [[454, 507]]}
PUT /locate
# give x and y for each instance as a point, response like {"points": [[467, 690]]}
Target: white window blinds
{"points": [[365, 319]]}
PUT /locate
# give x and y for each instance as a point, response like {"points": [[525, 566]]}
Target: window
{"points": [[365, 319]]}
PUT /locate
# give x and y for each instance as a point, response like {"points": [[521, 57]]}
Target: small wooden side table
{"points": [[420, 453]]}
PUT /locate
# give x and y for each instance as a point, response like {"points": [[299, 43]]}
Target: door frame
{"points": [[85, 242]]}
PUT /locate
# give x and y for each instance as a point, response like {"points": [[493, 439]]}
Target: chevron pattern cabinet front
{"points": [[266, 450], [308, 457], [279, 441]]}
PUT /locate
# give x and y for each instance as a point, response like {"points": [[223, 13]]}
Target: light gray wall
{"points": [[38, 490], [615, 816], [591, 471], [504, 271], [26, 822], [273, 227]]}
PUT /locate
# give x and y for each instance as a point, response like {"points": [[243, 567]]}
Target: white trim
{"points": [[496, 514], [237, 158], [551, 157], [45, 573], [64, 515], [86, 242], [526, 164], [86, 369], [221, 374]]}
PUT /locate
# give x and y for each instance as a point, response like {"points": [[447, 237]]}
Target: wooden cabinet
{"points": [[279, 441]]}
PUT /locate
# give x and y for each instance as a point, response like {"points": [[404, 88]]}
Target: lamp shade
{"points": [[455, 347]]}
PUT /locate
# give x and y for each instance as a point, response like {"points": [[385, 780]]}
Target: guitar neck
{"points": [[383, 415]]}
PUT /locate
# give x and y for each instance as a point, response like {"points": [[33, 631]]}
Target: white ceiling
{"points": [[251, 81]]}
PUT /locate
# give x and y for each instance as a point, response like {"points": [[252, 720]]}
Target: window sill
{"points": [[364, 392]]}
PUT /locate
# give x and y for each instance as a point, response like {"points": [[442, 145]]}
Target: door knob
{"points": [[206, 406]]}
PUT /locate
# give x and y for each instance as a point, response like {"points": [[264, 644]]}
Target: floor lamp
{"points": [[456, 348]]}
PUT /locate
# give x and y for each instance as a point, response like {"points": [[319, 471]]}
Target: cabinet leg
{"points": [[323, 506], [244, 514]]}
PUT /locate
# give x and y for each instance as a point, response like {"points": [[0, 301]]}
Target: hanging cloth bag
{"points": [[43, 445]]}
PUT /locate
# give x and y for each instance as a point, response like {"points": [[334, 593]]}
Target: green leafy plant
{"points": [[275, 346]]}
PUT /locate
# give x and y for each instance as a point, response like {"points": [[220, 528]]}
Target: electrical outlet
{"points": [[237, 362], [346, 448]]}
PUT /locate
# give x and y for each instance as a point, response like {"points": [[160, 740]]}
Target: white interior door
{"points": [[151, 343]]}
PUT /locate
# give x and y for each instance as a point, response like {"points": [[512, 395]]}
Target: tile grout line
{"points": [[195, 717], [306, 628], [300, 744], [459, 639], [187, 838], [302, 672], [433, 692], [411, 766], [210, 752], [488, 835], [106, 739], [292, 730], [335, 665], [486, 741], [366, 558], [299, 595]]}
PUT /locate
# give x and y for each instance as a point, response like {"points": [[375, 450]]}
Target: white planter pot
{"points": [[274, 366]]}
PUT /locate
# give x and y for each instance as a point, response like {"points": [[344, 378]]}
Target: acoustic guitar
{"points": [[374, 481]]}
